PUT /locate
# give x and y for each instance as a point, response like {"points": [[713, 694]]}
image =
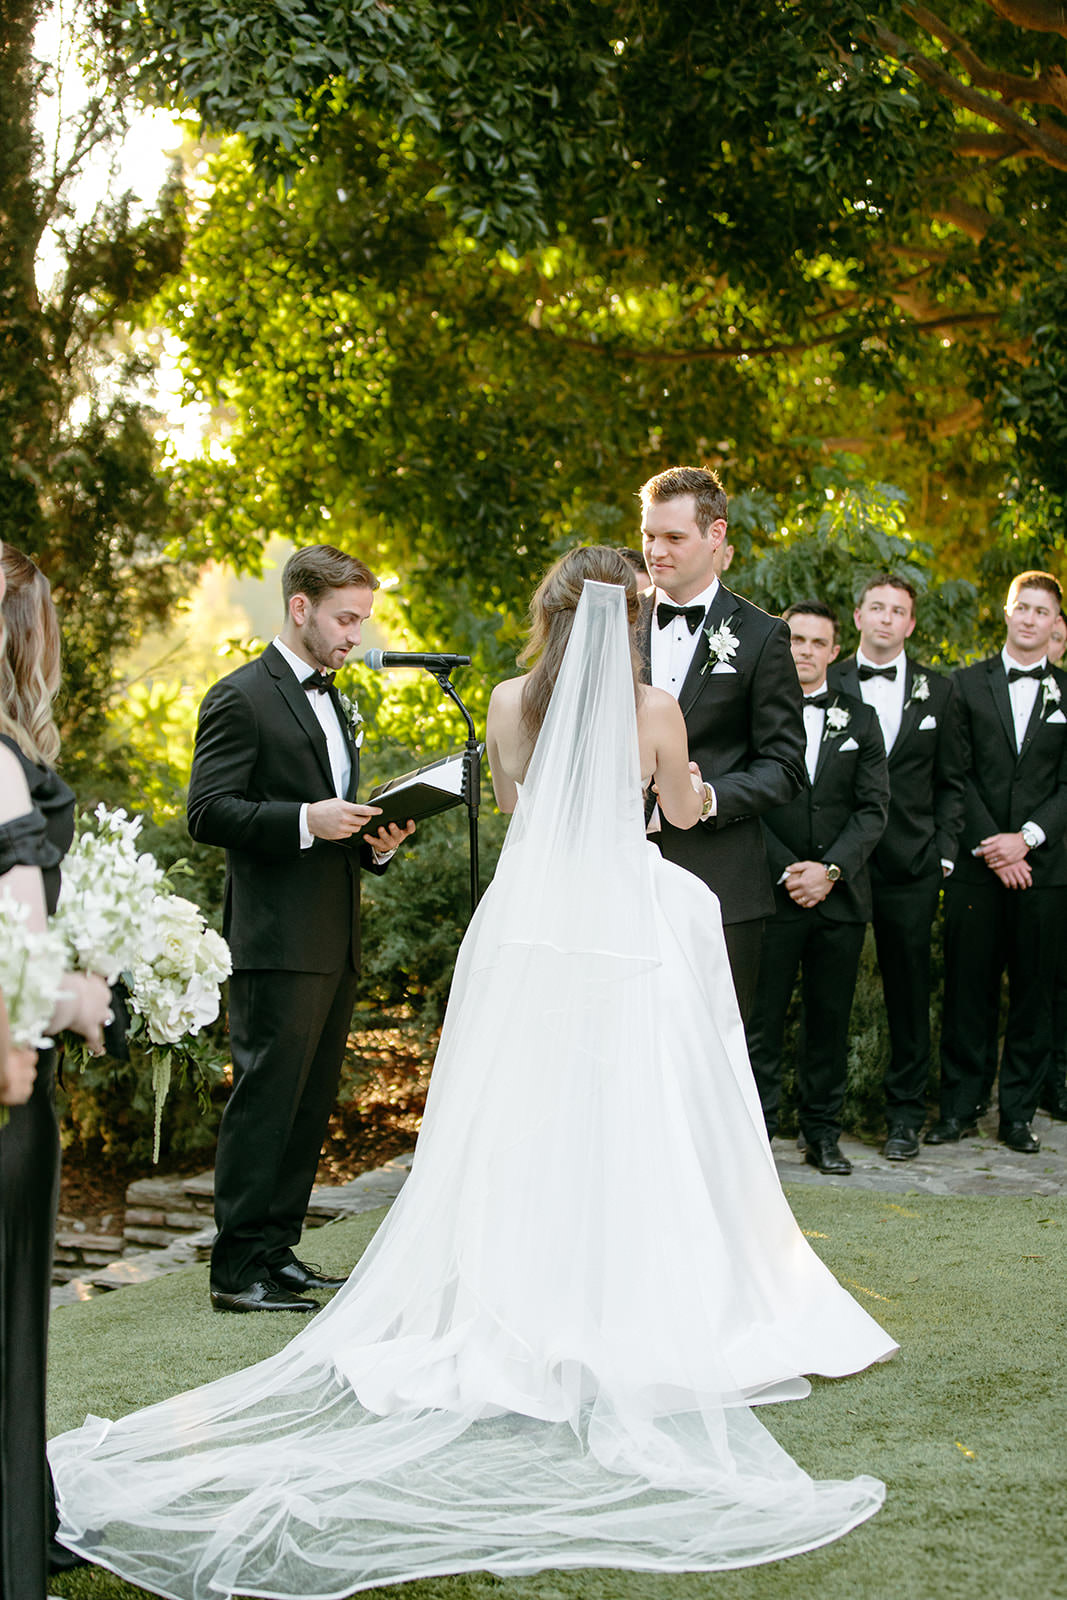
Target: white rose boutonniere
{"points": [[837, 720], [1050, 693], [353, 718], [920, 689], [722, 644]]}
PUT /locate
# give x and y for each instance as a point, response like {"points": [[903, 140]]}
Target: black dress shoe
{"points": [[265, 1295], [301, 1276], [60, 1559], [826, 1155], [902, 1143], [950, 1130], [1018, 1136]]}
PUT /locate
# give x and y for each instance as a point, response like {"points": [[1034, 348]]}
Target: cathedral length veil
{"points": [[543, 1358]]}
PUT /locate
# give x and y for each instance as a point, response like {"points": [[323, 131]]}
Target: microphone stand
{"points": [[471, 776]]}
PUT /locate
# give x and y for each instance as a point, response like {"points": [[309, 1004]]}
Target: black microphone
{"points": [[433, 661]]}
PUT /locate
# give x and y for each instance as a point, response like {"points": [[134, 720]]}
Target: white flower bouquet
{"points": [[119, 917], [32, 966]]}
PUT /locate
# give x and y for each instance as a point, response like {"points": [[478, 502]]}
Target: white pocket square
{"points": [[849, 744], [927, 724], [724, 666], [1057, 716]]}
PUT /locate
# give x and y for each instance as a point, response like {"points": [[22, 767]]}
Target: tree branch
{"points": [[1043, 16], [1051, 147], [1046, 88], [989, 146]]}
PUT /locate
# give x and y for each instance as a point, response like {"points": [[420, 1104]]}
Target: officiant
{"points": [[274, 780]]}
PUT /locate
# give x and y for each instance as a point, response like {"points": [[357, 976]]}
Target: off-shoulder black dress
{"points": [[29, 1195]]}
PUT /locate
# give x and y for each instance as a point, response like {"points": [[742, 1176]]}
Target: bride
{"points": [[548, 1355]]}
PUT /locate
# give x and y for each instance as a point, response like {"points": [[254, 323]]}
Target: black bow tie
{"points": [[665, 615], [866, 672], [319, 682], [819, 701], [1015, 673]]}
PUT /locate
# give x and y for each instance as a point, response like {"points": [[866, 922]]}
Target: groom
{"points": [[730, 667], [274, 782]]}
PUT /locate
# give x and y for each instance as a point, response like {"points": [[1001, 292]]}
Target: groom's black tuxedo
{"points": [[989, 927], [838, 818], [922, 830], [746, 734], [292, 920]]}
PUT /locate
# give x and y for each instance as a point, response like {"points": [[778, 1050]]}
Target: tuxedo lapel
{"points": [[700, 668], [998, 688], [1036, 712], [350, 744], [826, 743], [296, 699], [848, 678], [911, 710]]}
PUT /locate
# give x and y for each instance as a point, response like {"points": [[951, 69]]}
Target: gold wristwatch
{"points": [[833, 872], [709, 802]]}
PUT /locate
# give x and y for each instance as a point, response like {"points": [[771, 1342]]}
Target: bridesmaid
{"points": [[36, 828]]}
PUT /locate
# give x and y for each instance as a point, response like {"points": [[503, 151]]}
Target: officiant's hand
{"points": [[386, 840], [339, 819]]}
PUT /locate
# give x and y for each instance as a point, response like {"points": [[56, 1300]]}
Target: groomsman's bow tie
{"points": [[866, 672], [1015, 673], [819, 701], [319, 682], [665, 615]]}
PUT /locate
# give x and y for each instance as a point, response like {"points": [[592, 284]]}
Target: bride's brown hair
{"points": [[552, 617], [29, 658]]}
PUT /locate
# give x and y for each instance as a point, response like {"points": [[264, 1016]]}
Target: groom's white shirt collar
{"points": [[672, 648], [301, 668]]}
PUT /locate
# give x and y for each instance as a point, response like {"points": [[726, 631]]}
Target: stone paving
{"points": [[976, 1166]]}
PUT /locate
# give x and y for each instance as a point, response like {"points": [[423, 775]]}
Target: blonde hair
{"points": [[552, 617], [29, 658]]}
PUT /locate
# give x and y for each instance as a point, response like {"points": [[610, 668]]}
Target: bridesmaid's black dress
{"points": [[29, 1197]]}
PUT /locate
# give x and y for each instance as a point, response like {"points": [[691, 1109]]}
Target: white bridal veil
{"points": [[545, 1356]]}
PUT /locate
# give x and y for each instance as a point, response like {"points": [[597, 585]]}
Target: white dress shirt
{"points": [[814, 725], [674, 647], [1022, 694], [336, 743], [885, 696]]}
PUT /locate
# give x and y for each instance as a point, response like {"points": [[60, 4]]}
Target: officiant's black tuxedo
{"points": [[746, 734], [922, 830], [837, 818], [988, 927], [292, 920]]}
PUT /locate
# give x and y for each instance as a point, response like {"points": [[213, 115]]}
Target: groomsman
{"points": [[817, 847], [1006, 901], [728, 665], [919, 718]]}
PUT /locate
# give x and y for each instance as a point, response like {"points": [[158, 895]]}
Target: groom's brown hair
{"points": [[320, 567], [701, 482]]}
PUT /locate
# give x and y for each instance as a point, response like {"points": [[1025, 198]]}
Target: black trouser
{"points": [[828, 955], [29, 1198], [287, 1038], [903, 919], [744, 941], [988, 929]]}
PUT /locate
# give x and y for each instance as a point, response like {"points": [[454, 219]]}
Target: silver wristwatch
{"points": [[1031, 837], [833, 871]]}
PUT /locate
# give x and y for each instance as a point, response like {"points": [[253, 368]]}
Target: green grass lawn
{"points": [[967, 1426]]}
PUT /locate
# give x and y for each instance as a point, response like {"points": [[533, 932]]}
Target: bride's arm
{"points": [[500, 730], [680, 793]]}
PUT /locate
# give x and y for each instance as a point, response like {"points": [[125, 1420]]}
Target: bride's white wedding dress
{"points": [[548, 1354]]}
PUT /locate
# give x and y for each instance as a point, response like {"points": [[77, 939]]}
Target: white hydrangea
{"points": [[106, 900], [32, 967], [175, 985]]}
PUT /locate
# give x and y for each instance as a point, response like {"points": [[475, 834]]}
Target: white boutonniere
{"points": [[1050, 693], [352, 717], [837, 720], [920, 689], [722, 644]]}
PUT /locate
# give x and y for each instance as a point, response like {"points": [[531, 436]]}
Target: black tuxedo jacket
{"points": [[839, 817], [1005, 787], [261, 754], [746, 734], [925, 774]]}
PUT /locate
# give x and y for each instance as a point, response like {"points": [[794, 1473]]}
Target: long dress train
{"points": [[548, 1354]]}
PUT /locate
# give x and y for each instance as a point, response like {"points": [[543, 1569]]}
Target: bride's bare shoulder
{"points": [[506, 699]]}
